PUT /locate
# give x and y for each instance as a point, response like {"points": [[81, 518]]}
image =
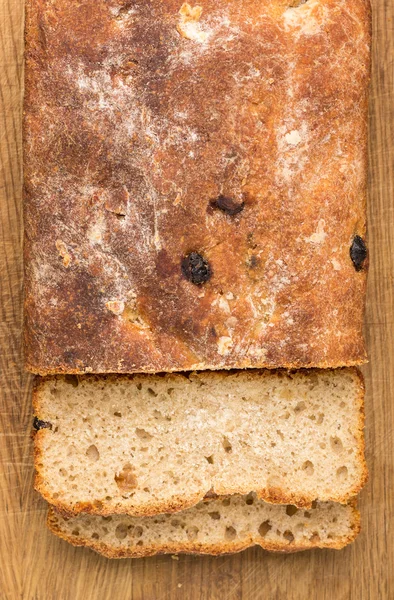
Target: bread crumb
{"points": [[225, 343], [319, 236], [63, 252], [188, 25], [97, 230], [175, 557], [336, 264], [224, 305], [293, 138], [231, 322], [115, 306], [257, 352]]}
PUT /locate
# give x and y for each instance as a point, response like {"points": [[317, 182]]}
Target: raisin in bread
{"points": [[217, 527], [147, 444]]}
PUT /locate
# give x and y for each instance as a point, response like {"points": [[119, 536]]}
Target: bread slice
{"points": [[217, 527], [148, 444]]}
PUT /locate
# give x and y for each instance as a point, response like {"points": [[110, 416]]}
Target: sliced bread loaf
{"points": [[216, 527], [149, 444]]}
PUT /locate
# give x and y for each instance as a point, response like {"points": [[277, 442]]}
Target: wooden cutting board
{"points": [[37, 566]]}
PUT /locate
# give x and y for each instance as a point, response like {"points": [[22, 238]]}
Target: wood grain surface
{"points": [[37, 566]]}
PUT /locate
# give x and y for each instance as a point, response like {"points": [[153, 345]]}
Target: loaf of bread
{"points": [[148, 444], [217, 527], [195, 184]]}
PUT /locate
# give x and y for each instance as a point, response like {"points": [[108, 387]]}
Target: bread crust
{"points": [[137, 120], [182, 502], [191, 547]]}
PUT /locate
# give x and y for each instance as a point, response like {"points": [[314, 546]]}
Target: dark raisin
{"points": [[38, 424], [196, 268], [227, 205], [358, 252]]}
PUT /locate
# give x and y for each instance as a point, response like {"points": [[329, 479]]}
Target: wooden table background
{"points": [[37, 566]]}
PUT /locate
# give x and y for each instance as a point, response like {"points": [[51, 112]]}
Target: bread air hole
{"points": [[215, 515], [126, 479], [95, 536], [75, 532], [143, 434], [342, 473], [291, 510], [192, 532], [264, 528], [137, 531], [249, 499], [300, 407], [176, 523], [230, 533], [288, 536], [336, 444], [63, 472], [152, 392], [209, 459], [226, 445], [121, 531], [226, 501], [315, 537], [117, 414], [71, 380], [92, 453], [308, 468]]}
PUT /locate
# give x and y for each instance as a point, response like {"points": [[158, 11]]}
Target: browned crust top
{"points": [[153, 130]]}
